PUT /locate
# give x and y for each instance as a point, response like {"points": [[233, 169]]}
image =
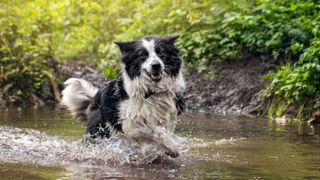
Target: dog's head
{"points": [[154, 61]]}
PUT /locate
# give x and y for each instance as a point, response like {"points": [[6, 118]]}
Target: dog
{"points": [[143, 103]]}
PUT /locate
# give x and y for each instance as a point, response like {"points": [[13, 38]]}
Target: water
{"points": [[48, 144]]}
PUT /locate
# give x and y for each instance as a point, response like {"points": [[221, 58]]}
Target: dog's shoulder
{"points": [[111, 93]]}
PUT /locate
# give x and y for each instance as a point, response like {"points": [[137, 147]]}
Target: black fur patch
{"points": [[170, 57], [104, 112]]}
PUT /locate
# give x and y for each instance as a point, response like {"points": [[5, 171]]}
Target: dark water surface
{"points": [[47, 143]]}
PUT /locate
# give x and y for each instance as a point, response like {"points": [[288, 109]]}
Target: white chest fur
{"points": [[140, 116]]}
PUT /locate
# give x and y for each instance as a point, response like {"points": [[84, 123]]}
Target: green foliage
{"points": [[198, 22], [289, 30], [36, 35], [282, 28], [276, 108], [23, 69], [298, 84]]}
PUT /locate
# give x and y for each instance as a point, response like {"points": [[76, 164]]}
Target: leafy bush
{"points": [[290, 31], [298, 84], [23, 71], [198, 22], [36, 35], [282, 28]]}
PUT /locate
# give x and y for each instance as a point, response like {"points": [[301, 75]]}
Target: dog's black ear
{"points": [[171, 38], [125, 47]]}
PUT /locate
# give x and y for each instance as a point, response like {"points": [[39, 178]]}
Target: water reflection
{"points": [[293, 126]]}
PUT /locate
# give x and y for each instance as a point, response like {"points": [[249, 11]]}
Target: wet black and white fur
{"points": [[143, 103]]}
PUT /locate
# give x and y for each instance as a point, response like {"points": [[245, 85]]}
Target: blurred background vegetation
{"points": [[36, 35]]}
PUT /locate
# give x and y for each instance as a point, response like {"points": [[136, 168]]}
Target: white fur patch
{"points": [[76, 92], [149, 45], [152, 55], [150, 120]]}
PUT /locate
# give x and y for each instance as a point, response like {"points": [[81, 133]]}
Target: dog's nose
{"points": [[156, 66]]}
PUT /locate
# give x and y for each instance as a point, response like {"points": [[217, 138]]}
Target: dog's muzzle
{"points": [[156, 72]]}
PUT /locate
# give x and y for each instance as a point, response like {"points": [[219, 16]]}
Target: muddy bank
{"points": [[233, 90]]}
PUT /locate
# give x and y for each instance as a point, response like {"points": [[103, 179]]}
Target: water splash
{"points": [[31, 146], [197, 143]]}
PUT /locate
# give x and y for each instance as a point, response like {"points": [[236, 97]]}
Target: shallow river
{"points": [[48, 144]]}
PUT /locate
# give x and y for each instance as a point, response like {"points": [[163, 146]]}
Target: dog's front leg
{"points": [[165, 138], [159, 135], [145, 135]]}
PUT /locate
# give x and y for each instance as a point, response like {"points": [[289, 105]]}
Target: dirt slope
{"points": [[233, 90]]}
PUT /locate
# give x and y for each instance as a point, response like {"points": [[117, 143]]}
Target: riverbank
{"points": [[234, 88]]}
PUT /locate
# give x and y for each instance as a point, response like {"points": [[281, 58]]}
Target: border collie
{"points": [[143, 103]]}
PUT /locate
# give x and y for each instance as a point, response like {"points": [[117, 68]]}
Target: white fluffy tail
{"points": [[77, 96]]}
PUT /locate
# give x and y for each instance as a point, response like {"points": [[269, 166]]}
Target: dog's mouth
{"points": [[155, 76]]}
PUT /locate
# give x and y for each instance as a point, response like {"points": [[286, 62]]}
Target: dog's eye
{"points": [[143, 56], [161, 53]]}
